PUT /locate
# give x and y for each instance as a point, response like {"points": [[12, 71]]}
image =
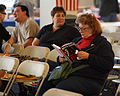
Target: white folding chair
{"points": [[32, 68], [36, 51], [117, 81], [60, 92], [116, 49], [10, 29], [8, 64], [17, 48], [52, 55]]}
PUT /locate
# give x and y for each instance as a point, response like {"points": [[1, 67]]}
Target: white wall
{"points": [[45, 8], [86, 3]]}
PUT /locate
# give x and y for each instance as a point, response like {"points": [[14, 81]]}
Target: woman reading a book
{"points": [[95, 52]]}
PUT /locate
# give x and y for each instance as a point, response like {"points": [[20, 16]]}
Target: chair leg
{"points": [[11, 93], [118, 91]]}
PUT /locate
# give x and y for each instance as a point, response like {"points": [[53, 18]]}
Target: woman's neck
{"points": [[55, 28]]}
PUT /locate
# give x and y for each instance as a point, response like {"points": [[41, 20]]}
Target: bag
{"points": [[63, 71]]}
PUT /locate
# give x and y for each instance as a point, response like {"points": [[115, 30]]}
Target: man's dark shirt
{"points": [[4, 35], [61, 36]]}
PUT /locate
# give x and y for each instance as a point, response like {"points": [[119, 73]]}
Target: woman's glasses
{"points": [[83, 29]]}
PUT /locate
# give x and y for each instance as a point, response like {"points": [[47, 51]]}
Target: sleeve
{"points": [[103, 58], [14, 34], [31, 30], [6, 35], [41, 32]]}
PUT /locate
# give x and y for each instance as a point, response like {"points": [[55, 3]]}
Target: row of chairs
{"points": [[29, 68], [36, 51], [26, 68]]}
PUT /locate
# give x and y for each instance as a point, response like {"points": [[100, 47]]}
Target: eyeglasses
{"points": [[83, 29], [3, 13]]}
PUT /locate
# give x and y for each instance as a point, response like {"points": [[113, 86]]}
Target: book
{"points": [[67, 51]]}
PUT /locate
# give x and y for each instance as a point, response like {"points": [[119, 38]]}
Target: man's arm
{"points": [[8, 45], [35, 42], [28, 42]]}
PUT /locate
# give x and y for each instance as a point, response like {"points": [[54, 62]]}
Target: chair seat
{"points": [[1, 93], [116, 81], [60, 92], [111, 77], [116, 66]]}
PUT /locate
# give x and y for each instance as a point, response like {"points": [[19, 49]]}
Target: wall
{"points": [[45, 9], [86, 3]]}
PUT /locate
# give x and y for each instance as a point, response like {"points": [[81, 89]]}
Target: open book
{"points": [[66, 51], [69, 51]]}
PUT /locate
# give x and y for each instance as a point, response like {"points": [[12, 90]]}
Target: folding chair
{"points": [[60, 92], [10, 29], [117, 81], [32, 68], [51, 59], [17, 48], [116, 49], [8, 64], [36, 51], [52, 55]]}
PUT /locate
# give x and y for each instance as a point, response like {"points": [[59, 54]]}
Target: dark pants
{"points": [[85, 86]]}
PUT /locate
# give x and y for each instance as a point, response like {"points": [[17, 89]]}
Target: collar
{"points": [[90, 38]]}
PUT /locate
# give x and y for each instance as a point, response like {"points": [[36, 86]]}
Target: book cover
{"points": [[68, 51]]}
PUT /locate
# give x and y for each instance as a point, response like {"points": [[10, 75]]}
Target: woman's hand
{"points": [[83, 55], [62, 59]]}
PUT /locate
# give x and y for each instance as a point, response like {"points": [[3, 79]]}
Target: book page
{"points": [[61, 52], [58, 49]]}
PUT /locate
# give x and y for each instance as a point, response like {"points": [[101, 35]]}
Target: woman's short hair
{"points": [[90, 20], [57, 9]]}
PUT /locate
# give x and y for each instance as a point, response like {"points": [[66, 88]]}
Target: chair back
{"points": [[52, 55], [8, 63], [10, 29], [60, 92], [32, 68], [36, 51], [17, 48], [116, 49]]}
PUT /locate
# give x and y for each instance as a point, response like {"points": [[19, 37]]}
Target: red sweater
{"points": [[83, 43]]}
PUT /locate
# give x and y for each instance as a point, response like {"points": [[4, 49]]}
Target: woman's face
{"points": [[85, 30], [59, 19]]}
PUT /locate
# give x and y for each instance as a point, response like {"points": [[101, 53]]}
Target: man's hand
{"points": [[7, 48]]}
